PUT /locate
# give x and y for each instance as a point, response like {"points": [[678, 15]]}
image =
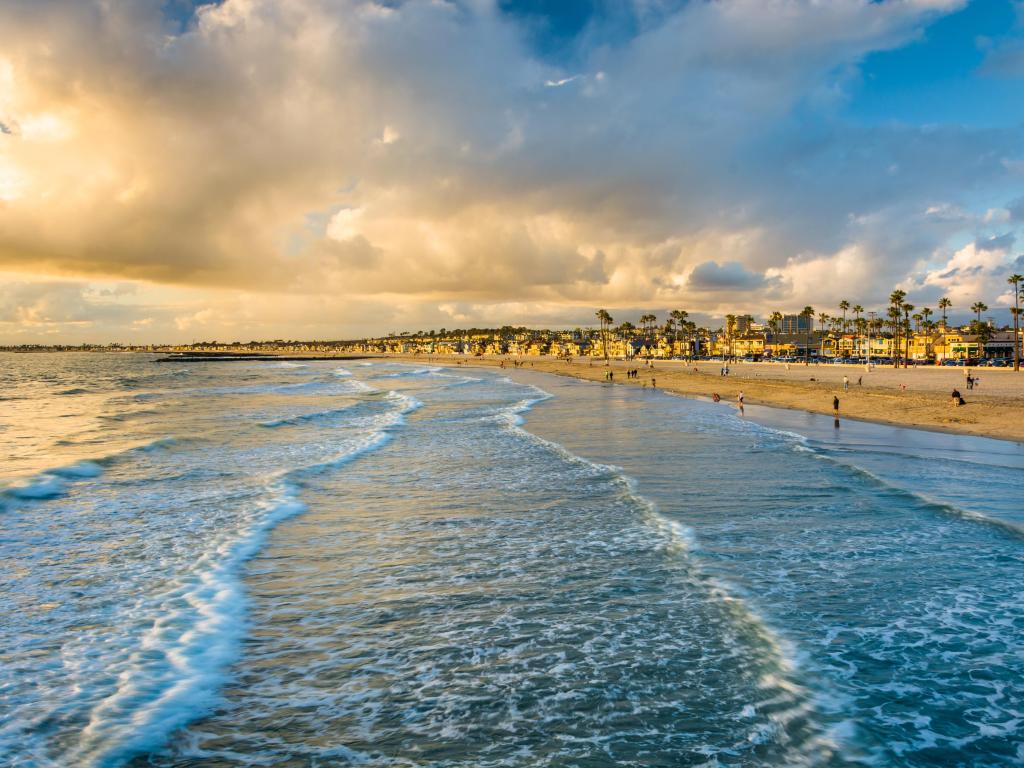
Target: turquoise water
{"points": [[396, 565]]}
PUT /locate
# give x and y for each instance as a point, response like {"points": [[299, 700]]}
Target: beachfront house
{"points": [[1000, 346], [956, 346]]}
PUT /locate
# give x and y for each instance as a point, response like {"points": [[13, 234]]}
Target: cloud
{"points": [[423, 153], [1016, 210], [971, 273], [996, 242], [730, 276]]}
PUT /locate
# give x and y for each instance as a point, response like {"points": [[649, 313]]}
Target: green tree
{"points": [[978, 307], [944, 304], [1015, 280], [895, 308], [808, 312], [907, 309], [606, 320]]}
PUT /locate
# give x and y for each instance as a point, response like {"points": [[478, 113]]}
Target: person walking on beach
{"points": [[970, 382], [654, 384], [846, 383], [835, 406]]}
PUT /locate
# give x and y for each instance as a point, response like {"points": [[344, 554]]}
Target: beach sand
{"points": [[995, 408]]}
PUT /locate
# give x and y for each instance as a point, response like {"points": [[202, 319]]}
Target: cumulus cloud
{"points": [[423, 154]]}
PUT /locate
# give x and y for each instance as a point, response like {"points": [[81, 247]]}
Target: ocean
{"points": [[384, 564]]}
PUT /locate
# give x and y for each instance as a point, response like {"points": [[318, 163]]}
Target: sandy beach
{"points": [[913, 397]]}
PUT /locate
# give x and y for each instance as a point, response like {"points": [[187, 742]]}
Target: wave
{"points": [[304, 418], [803, 444], [53, 483], [680, 539], [415, 372], [944, 507], [356, 385], [342, 372], [182, 660]]}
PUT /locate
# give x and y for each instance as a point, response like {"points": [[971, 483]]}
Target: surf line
{"points": [[681, 540], [200, 624]]}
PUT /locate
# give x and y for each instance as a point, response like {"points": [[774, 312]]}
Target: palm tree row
{"points": [[680, 328]]}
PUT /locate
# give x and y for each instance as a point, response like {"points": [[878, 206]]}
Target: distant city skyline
{"points": [[325, 169]]}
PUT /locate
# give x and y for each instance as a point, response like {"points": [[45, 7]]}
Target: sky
{"points": [[172, 170]]}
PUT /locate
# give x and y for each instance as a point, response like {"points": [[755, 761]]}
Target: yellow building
{"points": [[956, 346], [922, 346]]}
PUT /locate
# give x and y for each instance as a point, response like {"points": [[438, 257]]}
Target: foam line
{"points": [[682, 539], [178, 668], [53, 483]]}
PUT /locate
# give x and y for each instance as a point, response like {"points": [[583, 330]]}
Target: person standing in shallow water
{"points": [[739, 401], [835, 406]]}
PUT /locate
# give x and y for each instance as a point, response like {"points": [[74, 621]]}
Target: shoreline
{"points": [[924, 404]]}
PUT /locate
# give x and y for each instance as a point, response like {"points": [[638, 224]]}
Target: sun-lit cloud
{"points": [[378, 164]]}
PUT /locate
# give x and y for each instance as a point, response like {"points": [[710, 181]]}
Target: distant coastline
{"points": [[995, 409]]}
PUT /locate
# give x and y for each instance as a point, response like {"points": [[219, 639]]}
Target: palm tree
{"points": [[857, 311], [895, 307], [808, 312], [679, 316], [823, 319], [861, 326], [1015, 280], [647, 323], [690, 337], [774, 326], [844, 305], [605, 320], [944, 304], [907, 309], [979, 307]]}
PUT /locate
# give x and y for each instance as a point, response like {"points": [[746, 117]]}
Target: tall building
{"points": [[795, 324]]}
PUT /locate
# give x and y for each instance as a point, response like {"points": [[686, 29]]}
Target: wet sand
{"points": [[912, 397]]}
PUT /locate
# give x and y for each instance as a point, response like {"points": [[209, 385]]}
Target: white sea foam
{"points": [[800, 701], [53, 483], [176, 671], [79, 470], [303, 418]]}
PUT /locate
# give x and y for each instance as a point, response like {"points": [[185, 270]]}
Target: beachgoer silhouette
{"points": [[835, 407]]}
